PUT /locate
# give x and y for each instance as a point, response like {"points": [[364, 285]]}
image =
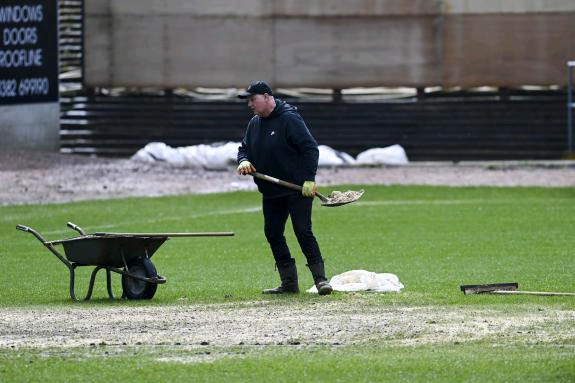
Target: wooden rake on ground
{"points": [[506, 289]]}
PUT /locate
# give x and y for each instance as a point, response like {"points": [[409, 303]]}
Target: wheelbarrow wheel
{"points": [[136, 288]]}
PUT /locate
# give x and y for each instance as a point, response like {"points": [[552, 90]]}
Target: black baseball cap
{"points": [[256, 87]]}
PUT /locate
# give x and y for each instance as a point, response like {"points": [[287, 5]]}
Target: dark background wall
{"points": [[450, 128]]}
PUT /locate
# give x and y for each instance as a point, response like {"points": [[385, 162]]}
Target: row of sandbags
{"points": [[219, 156]]}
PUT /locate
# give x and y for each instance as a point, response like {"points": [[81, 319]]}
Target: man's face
{"points": [[258, 103]]}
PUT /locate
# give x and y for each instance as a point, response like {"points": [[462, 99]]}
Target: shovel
{"points": [[506, 289], [334, 199]]}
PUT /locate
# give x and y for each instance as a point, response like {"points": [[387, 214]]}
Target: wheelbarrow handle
{"points": [[76, 227], [30, 230], [286, 184], [49, 245], [23, 228]]}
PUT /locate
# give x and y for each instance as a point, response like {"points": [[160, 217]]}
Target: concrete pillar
{"points": [[30, 126]]}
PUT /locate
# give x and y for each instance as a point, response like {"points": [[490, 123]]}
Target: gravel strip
{"points": [[36, 177]]}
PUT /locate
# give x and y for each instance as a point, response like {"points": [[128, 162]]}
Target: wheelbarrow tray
{"points": [[107, 250]]}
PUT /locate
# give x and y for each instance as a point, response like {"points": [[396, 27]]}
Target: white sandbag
{"points": [[362, 280], [217, 156], [159, 152], [331, 157], [390, 155], [212, 157]]}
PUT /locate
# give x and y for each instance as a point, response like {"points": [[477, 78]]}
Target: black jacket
{"points": [[280, 146]]}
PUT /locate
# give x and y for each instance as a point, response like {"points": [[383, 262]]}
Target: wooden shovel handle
{"points": [[543, 293], [286, 184]]}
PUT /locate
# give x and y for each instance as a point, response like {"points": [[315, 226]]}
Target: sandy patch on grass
{"points": [[325, 322]]}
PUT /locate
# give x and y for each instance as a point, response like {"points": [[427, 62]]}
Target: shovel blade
{"points": [[488, 288], [338, 198]]}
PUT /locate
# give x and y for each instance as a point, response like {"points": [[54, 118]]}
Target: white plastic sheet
{"points": [[363, 280]]}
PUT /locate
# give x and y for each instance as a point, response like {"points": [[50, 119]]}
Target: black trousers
{"points": [[276, 212]]}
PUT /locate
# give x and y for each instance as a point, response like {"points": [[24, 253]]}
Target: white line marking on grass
{"points": [[356, 204], [454, 202], [165, 219], [428, 202]]}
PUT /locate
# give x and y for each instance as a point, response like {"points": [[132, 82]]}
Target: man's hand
{"points": [[246, 167], [308, 189]]}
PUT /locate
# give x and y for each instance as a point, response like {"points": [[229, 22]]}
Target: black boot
{"points": [[288, 276], [321, 283]]}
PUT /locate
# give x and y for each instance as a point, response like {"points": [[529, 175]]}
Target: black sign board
{"points": [[28, 51]]}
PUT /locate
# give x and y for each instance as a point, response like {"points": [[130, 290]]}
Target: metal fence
{"points": [[71, 44], [436, 128]]}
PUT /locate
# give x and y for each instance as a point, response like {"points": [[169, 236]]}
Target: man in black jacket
{"points": [[278, 143]]}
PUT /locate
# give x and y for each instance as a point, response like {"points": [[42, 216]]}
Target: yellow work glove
{"points": [[308, 189], [246, 167]]}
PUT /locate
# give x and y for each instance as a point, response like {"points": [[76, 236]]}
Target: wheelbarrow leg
{"points": [[91, 284], [72, 283], [109, 283], [93, 279]]}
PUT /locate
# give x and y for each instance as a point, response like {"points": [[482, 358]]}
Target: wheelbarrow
{"points": [[127, 254]]}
